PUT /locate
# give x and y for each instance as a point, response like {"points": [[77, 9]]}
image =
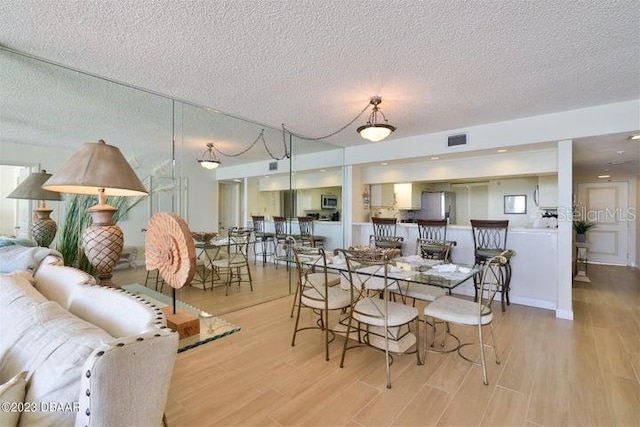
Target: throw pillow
{"points": [[12, 393]]}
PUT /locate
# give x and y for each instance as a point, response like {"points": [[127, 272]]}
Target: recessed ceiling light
{"points": [[435, 158], [620, 152], [502, 150], [237, 180], [323, 170], [266, 176], [604, 176], [384, 163], [619, 162], [635, 137]]}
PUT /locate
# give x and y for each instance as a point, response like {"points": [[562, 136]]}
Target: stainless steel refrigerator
{"points": [[438, 205]]}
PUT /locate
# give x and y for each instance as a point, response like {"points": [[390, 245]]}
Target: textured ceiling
{"points": [[313, 65]]}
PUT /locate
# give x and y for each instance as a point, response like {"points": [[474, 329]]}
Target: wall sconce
{"points": [[101, 169], [374, 131], [43, 229], [210, 161]]}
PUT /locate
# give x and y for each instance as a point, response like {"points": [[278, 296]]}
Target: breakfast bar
{"points": [[534, 268]]}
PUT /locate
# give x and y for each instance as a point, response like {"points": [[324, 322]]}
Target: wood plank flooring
{"points": [[553, 372]]}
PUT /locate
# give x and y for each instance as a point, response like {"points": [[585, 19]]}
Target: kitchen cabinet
{"points": [[408, 196], [382, 195], [547, 194]]}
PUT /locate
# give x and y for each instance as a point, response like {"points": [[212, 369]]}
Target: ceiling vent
{"points": [[273, 166], [460, 139]]}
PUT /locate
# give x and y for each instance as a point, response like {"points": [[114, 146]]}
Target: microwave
{"points": [[329, 201]]}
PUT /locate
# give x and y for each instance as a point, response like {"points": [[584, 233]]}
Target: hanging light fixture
{"points": [[210, 161], [374, 131]]}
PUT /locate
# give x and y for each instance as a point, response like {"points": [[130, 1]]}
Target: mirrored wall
{"points": [[48, 111]]}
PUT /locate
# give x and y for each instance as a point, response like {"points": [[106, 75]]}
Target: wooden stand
{"points": [[582, 250], [183, 323]]}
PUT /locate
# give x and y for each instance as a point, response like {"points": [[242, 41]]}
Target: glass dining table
{"points": [[414, 269]]}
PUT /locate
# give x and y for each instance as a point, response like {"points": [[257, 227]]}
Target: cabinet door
{"points": [[382, 195], [408, 195], [403, 195], [548, 191]]}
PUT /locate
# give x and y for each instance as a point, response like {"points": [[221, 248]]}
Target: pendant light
{"points": [[374, 131], [210, 161]]}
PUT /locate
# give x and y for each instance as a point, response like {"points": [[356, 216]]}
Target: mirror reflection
{"points": [[50, 110]]}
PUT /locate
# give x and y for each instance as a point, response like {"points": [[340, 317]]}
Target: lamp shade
{"points": [[375, 132], [96, 166], [31, 188], [209, 164]]}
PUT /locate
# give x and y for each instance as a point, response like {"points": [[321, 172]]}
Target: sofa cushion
{"points": [[52, 347], [12, 392], [18, 301], [57, 282]]}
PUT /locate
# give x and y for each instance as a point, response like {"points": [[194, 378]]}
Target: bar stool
{"points": [[490, 240], [307, 237], [384, 234], [432, 243], [281, 240], [262, 237]]}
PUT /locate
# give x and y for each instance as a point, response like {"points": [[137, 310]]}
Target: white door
{"points": [[606, 204], [228, 206]]}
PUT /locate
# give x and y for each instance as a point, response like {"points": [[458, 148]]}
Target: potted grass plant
{"points": [[581, 228]]}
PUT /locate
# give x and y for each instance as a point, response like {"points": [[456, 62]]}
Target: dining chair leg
{"points": [[418, 341], [386, 356], [494, 343], [325, 326], [295, 329], [482, 356]]}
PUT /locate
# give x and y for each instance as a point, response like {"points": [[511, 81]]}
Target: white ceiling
{"points": [[313, 65]]}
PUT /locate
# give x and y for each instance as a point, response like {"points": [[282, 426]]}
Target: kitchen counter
{"points": [[535, 266]]}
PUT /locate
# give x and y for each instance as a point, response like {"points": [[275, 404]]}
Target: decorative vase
{"points": [[581, 238]]}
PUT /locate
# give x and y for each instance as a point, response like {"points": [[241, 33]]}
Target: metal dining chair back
{"points": [[374, 318], [318, 290], [451, 309], [235, 262]]}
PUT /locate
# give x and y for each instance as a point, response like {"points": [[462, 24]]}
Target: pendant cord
{"points": [[284, 129]]}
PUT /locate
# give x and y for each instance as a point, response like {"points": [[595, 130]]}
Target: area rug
{"points": [[211, 327]]}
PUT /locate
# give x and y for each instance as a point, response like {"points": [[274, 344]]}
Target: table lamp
{"points": [[101, 169], [43, 229]]}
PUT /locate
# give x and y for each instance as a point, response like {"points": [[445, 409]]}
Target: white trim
{"points": [[564, 314]]}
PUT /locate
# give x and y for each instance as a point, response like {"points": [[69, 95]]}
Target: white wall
{"points": [[636, 212], [514, 186]]}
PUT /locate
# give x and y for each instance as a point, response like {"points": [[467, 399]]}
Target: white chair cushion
{"points": [[421, 292], [369, 311], [317, 279], [338, 298], [456, 310]]}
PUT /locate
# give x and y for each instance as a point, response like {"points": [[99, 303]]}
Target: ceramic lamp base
{"points": [[44, 228], [103, 242]]}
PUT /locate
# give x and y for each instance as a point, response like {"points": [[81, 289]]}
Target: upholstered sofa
{"points": [[81, 354]]}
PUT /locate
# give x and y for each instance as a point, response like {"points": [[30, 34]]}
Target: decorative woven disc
{"points": [[169, 248]]}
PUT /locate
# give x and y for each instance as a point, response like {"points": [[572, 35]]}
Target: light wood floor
{"points": [[553, 372], [268, 284]]}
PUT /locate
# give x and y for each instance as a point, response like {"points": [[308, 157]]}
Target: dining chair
{"points": [[432, 241], [235, 261], [489, 240], [280, 239], [384, 234], [261, 237], [307, 236], [318, 290], [379, 322], [450, 309]]}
